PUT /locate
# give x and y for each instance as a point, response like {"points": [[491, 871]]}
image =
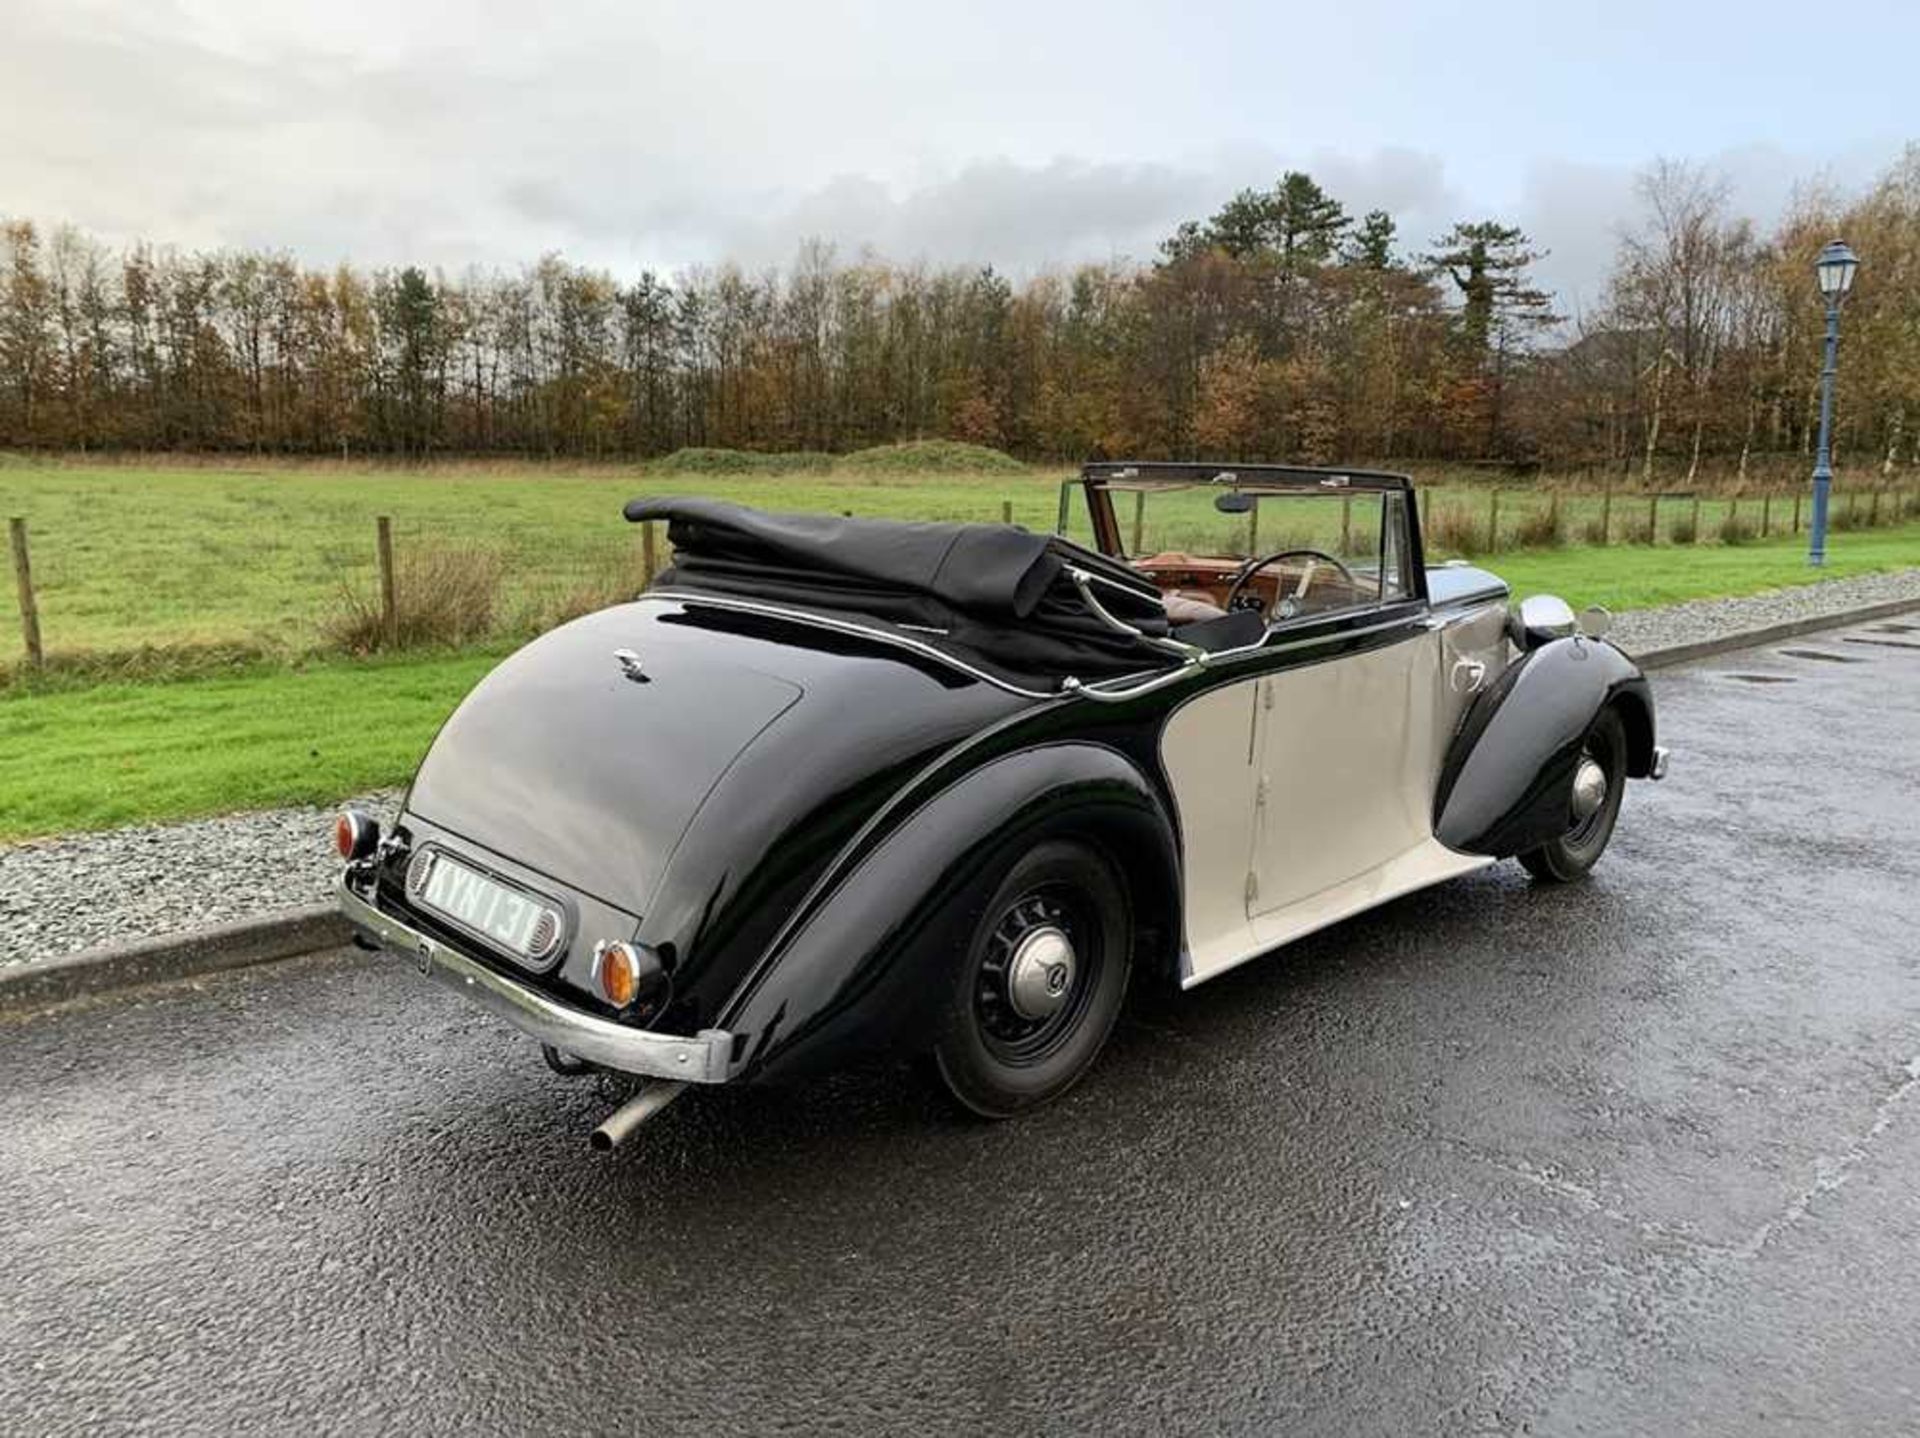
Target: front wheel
{"points": [[1599, 780], [1039, 985]]}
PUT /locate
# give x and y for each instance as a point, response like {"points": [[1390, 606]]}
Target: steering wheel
{"points": [[1290, 604]]}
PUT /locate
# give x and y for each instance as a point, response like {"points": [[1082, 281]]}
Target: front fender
{"points": [[865, 970], [1505, 784]]}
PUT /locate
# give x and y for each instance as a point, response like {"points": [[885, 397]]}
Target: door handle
{"points": [[1468, 675]]}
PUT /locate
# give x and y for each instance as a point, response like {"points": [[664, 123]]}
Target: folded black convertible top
{"points": [[996, 594]]}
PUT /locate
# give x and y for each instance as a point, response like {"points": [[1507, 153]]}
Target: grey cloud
{"points": [[607, 150], [1020, 217], [1578, 212], [661, 135]]}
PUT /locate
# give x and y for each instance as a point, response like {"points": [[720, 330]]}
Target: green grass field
{"points": [[128, 557], [107, 754], [125, 557]]}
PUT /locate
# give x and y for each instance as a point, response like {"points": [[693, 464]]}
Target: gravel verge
{"points": [[58, 896], [1699, 620]]}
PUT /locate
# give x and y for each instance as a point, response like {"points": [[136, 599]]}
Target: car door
{"points": [[1306, 789], [1207, 749], [1304, 794], [1343, 759]]}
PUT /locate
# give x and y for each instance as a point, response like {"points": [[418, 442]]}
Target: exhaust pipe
{"points": [[619, 1126]]}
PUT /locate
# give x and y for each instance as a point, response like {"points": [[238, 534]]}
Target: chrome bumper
{"points": [[705, 1058], [1658, 768]]}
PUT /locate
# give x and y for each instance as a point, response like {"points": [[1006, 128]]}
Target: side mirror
{"points": [[1233, 502], [1539, 620]]}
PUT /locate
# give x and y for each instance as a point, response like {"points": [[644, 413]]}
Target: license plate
{"points": [[500, 913]]}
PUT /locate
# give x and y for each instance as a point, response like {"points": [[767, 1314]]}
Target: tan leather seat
{"points": [[1185, 608]]}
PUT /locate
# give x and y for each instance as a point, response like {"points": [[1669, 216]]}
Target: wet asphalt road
{"points": [[1641, 1155]]}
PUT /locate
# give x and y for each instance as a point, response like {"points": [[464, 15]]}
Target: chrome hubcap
{"points": [[1041, 974], [1589, 789]]}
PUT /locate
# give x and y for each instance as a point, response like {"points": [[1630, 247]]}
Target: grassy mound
{"points": [[697, 461], [932, 456]]}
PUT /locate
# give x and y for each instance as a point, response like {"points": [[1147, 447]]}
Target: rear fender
{"points": [[866, 971], [1508, 775]]}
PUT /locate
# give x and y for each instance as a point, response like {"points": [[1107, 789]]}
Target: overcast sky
{"points": [[660, 133]]}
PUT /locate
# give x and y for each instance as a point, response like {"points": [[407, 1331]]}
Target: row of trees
{"points": [[1280, 327]]}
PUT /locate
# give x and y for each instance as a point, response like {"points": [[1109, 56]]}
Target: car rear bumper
{"points": [[704, 1058]]}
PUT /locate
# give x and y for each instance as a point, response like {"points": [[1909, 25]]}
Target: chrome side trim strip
{"points": [[1111, 691], [1110, 695], [705, 1058], [845, 626]]}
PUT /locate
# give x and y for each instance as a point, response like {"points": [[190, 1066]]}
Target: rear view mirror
{"points": [[1233, 502]]}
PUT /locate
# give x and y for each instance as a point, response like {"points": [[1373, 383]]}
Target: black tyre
{"points": [[1570, 856], [1035, 993]]}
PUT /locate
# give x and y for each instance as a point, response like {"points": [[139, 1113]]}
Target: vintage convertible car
{"points": [[834, 789]]}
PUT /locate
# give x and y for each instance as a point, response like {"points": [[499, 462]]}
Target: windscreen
{"points": [[1365, 530]]}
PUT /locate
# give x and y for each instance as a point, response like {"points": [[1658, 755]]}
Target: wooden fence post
{"points": [[1606, 514], [649, 554], [1696, 516], [1873, 511], [1553, 514], [1139, 518], [1253, 528], [1653, 519], [1796, 511], [1346, 524], [1493, 519], [1733, 513], [23, 577], [1006, 511], [1766, 513], [389, 606]]}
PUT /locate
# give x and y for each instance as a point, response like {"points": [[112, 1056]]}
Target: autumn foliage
{"points": [[1277, 329]]}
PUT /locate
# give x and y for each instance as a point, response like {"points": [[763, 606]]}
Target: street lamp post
{"points": [[1834, 269]]}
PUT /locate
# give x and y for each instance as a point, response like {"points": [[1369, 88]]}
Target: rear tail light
{"points": [[626, 974], [355, 835]]}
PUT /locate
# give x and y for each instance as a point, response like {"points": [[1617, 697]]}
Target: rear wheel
{"points": [[1599, 780], [1034, 995]]}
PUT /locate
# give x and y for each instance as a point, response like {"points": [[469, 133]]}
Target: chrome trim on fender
{"points": [[705, 1058]]}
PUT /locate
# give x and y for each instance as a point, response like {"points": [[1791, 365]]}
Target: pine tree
{"points": [[1296, 222], [1500, 310], [1370, 247], [1307, 223], [1487, 262]]}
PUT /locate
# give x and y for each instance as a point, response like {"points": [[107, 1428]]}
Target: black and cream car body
{"points": [[836, 789]]}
